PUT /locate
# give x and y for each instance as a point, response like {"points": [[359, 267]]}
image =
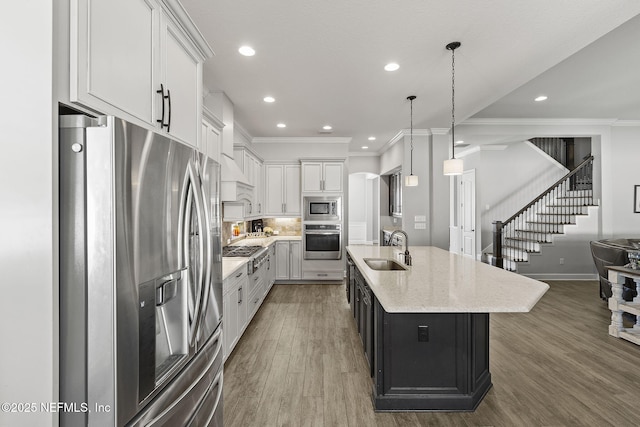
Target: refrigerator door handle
{"points": [[204, 257], [191, 199], [207, 256]]}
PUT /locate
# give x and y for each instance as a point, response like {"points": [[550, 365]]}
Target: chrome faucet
{"points": [[406, 254]]}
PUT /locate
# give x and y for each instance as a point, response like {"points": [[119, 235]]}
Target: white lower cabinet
{"points": [[234, 308], [288, 260]]}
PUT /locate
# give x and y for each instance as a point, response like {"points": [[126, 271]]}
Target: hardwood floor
{"points": [[300, 363]]}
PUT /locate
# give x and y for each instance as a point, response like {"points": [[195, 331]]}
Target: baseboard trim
{"points": [[562, 276]]}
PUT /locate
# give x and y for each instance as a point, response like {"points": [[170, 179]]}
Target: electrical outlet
{"points": [[561, 261], [420, 226], [423, 333], [420, 218]]}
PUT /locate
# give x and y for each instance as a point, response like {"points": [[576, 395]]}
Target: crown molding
{"points": [[302, 140], [242, 131], [363, 154], [175, 9], [211, 118], [440, 131], [401, 134], [540, 122], [626, 123]]}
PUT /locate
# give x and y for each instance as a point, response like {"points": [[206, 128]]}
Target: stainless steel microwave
{"points": [[322, 208]]}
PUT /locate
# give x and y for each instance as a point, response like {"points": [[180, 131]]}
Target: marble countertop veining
{"points": [[443, 282]]}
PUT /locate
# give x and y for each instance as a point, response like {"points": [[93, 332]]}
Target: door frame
{"points": [[468, 175]]}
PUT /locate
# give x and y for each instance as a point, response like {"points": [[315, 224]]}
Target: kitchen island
{"points": [[428, 334]]}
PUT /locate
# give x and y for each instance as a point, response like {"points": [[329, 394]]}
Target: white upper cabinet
{"points": [[322, 177], [251, 166], [211, 135], [282, 189], [181, 75], [140, 60]]}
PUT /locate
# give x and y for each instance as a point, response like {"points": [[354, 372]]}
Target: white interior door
{"points": [[467, 212]]}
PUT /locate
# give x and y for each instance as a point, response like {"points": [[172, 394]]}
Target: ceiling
{"points": [[323, 62]]}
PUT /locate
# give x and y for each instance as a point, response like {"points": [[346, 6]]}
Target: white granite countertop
{"points": [[231, 264], [263, 241], [443, 282]]}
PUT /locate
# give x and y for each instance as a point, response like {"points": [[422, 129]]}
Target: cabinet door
{"points": [[295, 269], [182, 78], [213, 143], [332, 177], [230, 319], [112, 56], [258, 189], [312, 176], [282, 260], [292, 189], [274, 183]]}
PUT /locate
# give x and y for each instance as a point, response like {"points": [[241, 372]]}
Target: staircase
{"points": [[536, 224]]}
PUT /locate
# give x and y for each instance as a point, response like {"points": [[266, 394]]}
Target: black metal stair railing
{"points": [[534, 224]]}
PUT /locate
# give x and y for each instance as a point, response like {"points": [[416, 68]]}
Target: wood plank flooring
{"points": [[300, 363]]}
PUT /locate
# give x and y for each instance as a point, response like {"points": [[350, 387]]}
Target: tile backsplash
{"points": [[286, 227]]}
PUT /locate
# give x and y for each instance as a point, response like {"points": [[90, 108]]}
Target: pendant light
{"points": [[411, 180], [453, 166]]}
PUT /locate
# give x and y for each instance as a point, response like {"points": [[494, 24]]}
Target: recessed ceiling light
{"points": [[364, 147], [269, 99], [246, 51], [392, 66], [460, 142], [541, 98], [327, 127], [372, 138], [281, 125]]}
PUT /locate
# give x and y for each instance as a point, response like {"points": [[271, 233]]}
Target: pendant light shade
{"points": [[411, 180], [453, 166]]}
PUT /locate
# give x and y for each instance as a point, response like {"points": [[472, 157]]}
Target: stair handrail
{"points": [[498, 226], [550, 189]]}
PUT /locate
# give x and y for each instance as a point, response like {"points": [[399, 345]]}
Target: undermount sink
{"points": [[384, 264]]}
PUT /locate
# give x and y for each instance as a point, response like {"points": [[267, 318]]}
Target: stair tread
{"points": [[560, 214], [529, 251], [551, 223], [522, 230], [569, 206], [521, 239]]}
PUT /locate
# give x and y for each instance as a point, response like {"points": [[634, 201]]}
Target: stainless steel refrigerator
{"points": [[140, 278]]}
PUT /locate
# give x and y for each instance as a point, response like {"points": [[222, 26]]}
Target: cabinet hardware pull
{"points": [[240, 295], [169, 122], [239, 274], [322, 274], [163, 97]]}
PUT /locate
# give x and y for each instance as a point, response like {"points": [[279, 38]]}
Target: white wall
{"points": [[370, 164], [615, 147], [625, 174], [285, 151], [28, 223], [507, 180]]}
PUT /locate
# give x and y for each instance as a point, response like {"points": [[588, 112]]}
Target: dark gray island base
{"points": [[425, 327], [430, 361]]}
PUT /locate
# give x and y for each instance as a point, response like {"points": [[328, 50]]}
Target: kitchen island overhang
{"points": [[431, 326]]}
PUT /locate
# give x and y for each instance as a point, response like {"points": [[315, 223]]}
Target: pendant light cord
{"points": [[453, 102], [411, 99]]}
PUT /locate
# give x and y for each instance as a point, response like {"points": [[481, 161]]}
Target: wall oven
{"points": [[322, 208], [322, 241]]}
